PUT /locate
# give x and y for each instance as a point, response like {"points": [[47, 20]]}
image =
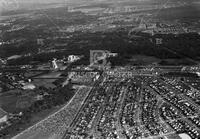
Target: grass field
{"points": [[144, 60], [45, 81], [55, 125], [10, 102]]}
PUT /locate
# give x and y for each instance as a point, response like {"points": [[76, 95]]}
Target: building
{"points": [[73, 58], [2, 62], [113, 54], [29, 87], [54, 63], [3, 116], [40, 41]]}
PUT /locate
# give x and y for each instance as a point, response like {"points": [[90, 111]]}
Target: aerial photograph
{"points": [[99, 69]]}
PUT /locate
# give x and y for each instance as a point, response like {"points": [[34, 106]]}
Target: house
{"points": [[3, 116]]}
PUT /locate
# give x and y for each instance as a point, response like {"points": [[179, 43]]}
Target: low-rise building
{"points": [[73, 58], [29, 87]]}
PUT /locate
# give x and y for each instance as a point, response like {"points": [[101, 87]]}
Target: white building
{"points": [[29, 87], [113, 54], [54, 63], [73, 58]]}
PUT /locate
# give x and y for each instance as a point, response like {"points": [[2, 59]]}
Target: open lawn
{"points": [[144, 60], [11, 101], [47, 80], [54, 126]]}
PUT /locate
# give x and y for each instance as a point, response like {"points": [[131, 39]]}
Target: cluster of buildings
{"points": [[179, 110], [153, 28], [73, 58], [59, 63], [87, 113], [127, 9], [127, 102], [139, 107], [9, 81], [119, 8], [6, 119], [83, 77], [113, 17], [92, 27], [17, 28]]}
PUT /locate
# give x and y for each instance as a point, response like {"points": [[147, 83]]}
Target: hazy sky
{"points": [[41, 1], [52, 1], [6, 5], [15, 4]]}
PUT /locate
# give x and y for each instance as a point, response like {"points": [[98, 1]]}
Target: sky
{"points": [[18, 4], [48, 1]]}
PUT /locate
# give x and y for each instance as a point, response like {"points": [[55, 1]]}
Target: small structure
{"points": [[159, 41], [73, 58], [54, 63], [40, 42], [29, 87], [3, 116], [112, 54], [198, 74], [2, 62]]}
